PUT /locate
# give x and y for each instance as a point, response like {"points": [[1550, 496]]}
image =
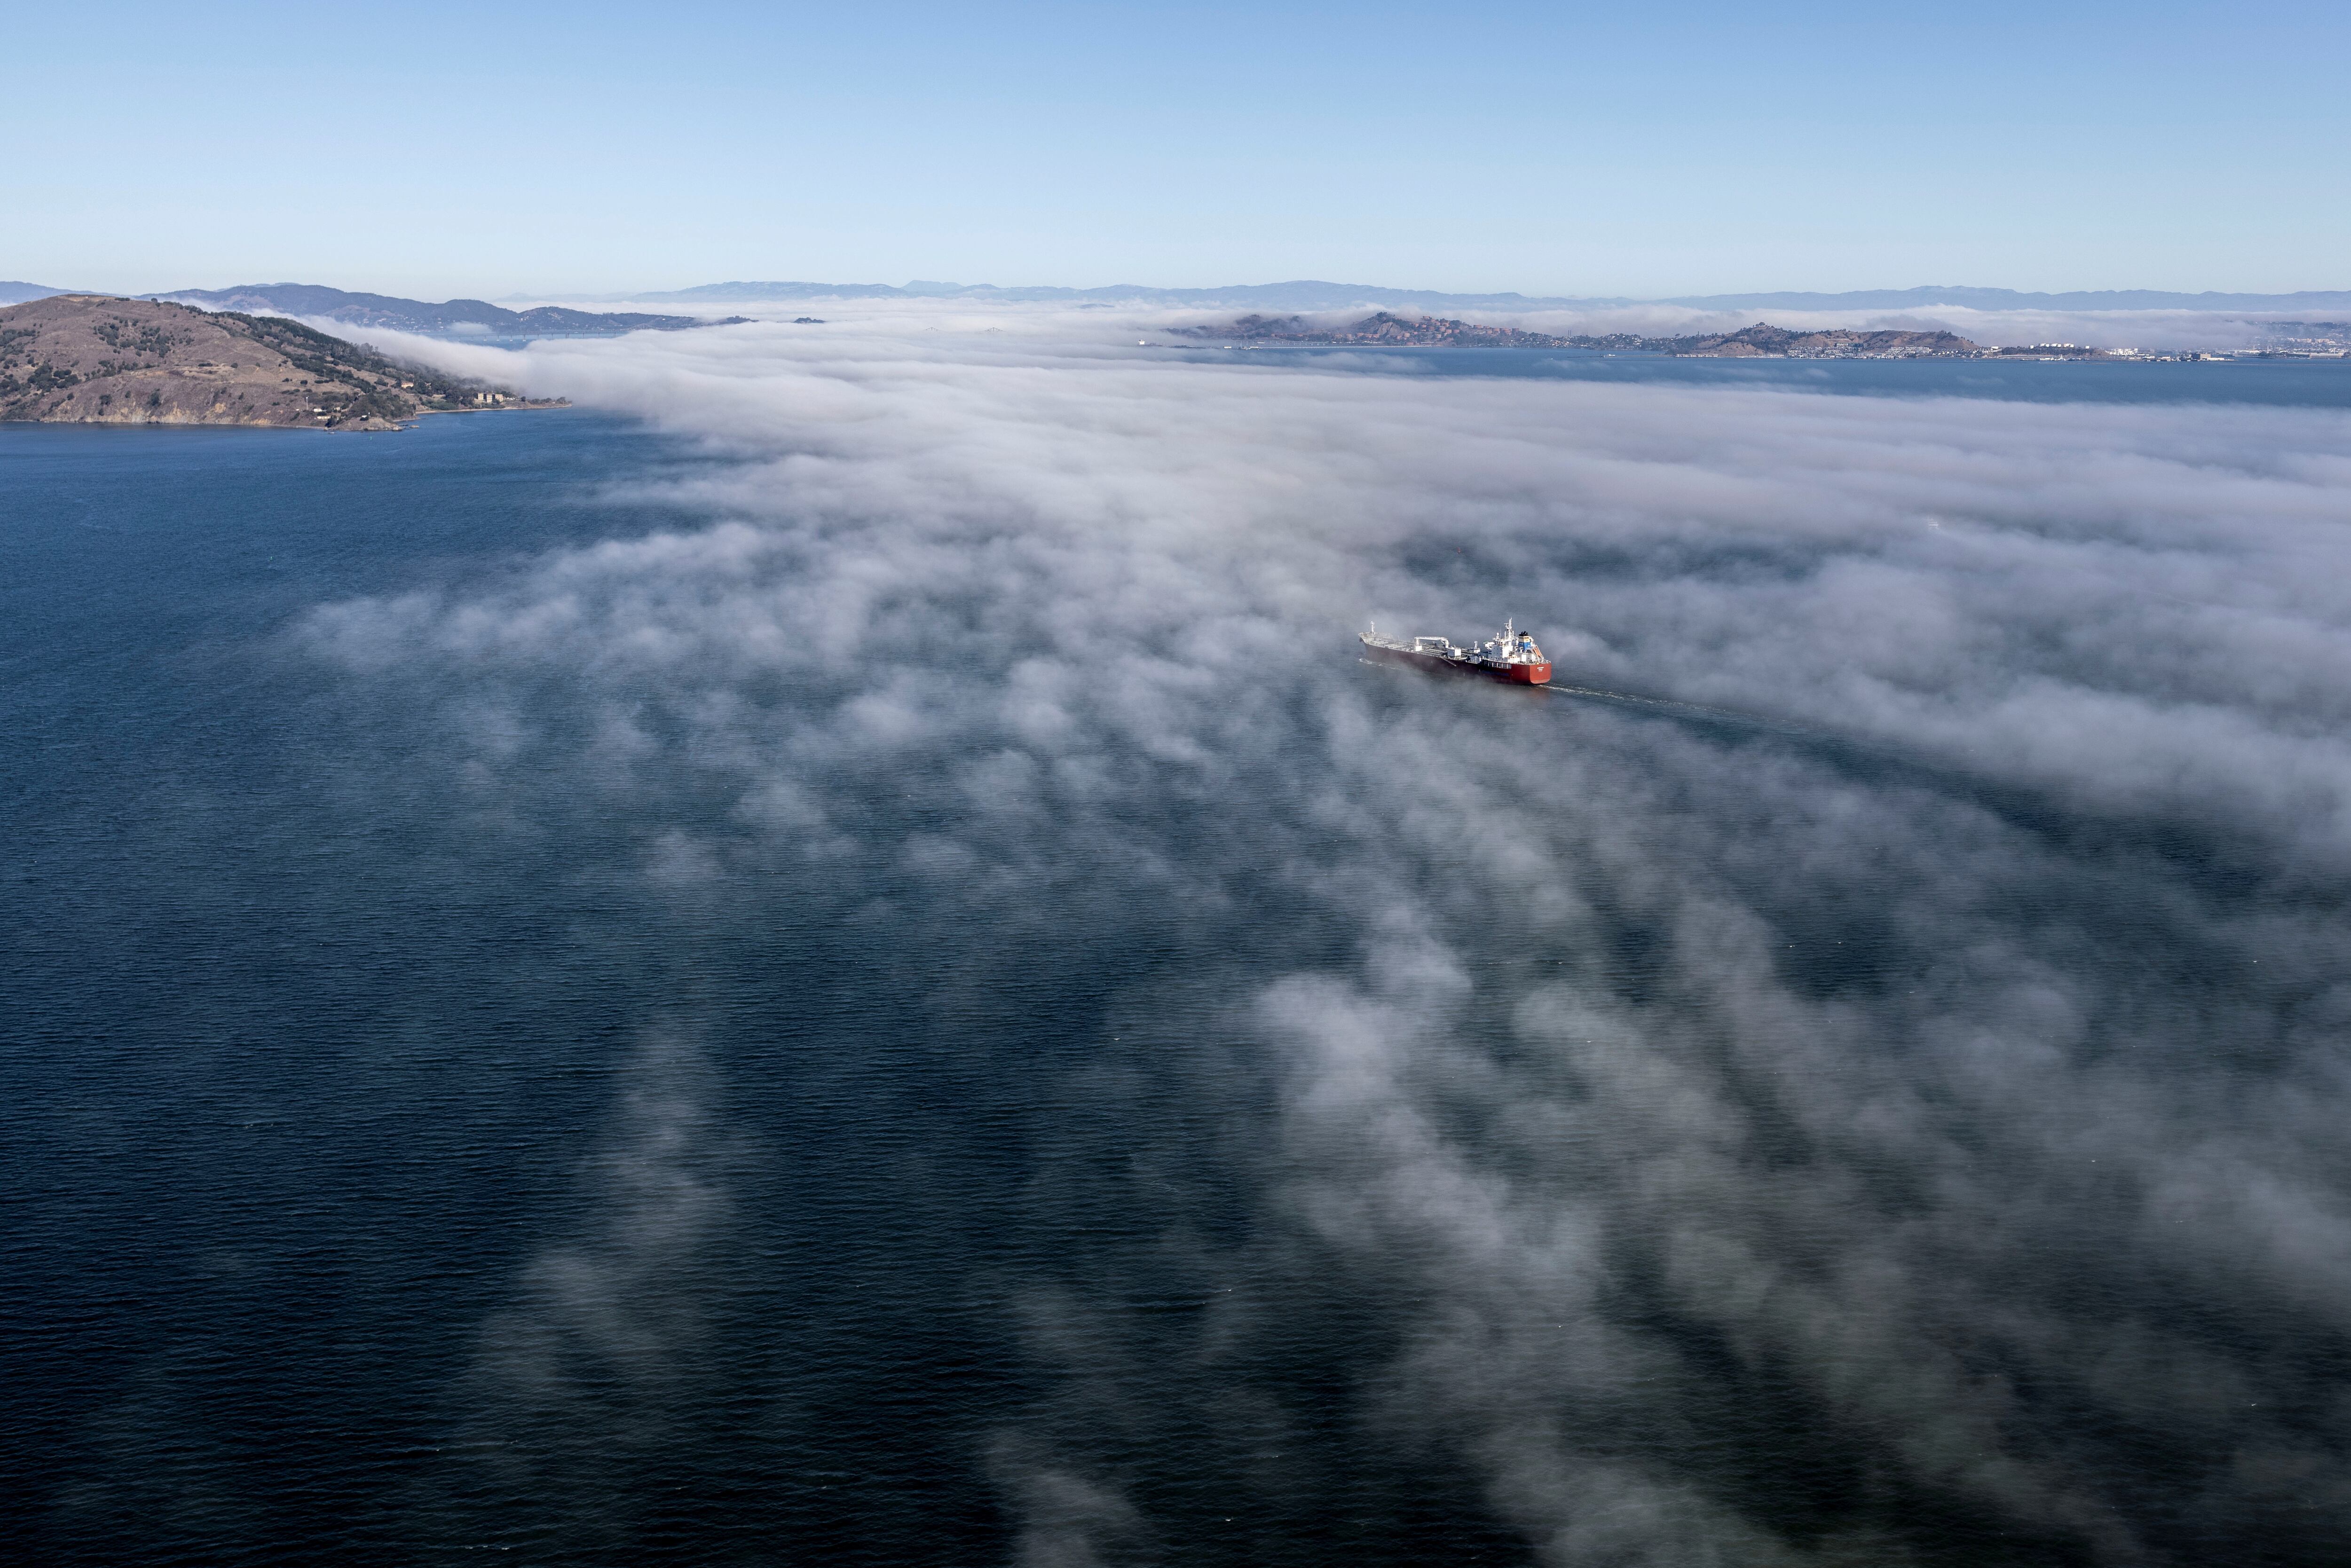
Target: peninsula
{"points": [[1759, 342], [92, 359]]}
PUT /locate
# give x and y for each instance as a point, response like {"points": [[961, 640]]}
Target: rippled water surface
{"points": [[2273, 383], [576, 995]]}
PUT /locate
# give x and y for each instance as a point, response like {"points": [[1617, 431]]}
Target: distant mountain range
{"points": [[480, 318], [1312, 294], [2012, 299], [17, 293], [451, 318]]}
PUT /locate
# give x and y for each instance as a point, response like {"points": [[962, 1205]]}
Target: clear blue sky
{"points": [[1654, 149]]}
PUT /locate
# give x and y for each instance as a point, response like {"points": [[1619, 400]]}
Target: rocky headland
{"points": [[90, 359]]}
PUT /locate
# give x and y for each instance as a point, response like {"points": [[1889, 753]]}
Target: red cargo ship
{"points": [[1512, 656]]}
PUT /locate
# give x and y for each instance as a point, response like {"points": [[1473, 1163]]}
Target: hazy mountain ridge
{"points": [[452, 318], [17, 291], [1309, 294]]}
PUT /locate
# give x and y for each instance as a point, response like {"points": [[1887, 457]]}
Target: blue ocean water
{"points": [[252, 1184], [304, 1068], [2280, 383], [396, 1173]]}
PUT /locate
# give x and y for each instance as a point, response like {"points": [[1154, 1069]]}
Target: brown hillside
{"points": [[93, 359]]}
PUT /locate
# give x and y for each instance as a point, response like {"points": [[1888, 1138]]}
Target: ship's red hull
{"points": [[1514, 674]]}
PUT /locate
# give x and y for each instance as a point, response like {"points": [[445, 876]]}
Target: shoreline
{"points": [[409, 423]]}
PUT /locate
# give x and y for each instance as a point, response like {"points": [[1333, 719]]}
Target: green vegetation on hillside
{"points": [[332, 360]]}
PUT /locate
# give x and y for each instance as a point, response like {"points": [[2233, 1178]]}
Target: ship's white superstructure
{"points": [[1511, 657]]}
